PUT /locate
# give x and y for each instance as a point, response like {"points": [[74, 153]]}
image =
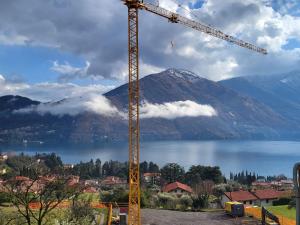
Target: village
{"points": [[167, 188]]}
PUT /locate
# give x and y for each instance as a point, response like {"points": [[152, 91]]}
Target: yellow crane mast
{"points": [[134, 215]]}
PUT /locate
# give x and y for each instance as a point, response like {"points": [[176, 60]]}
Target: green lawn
{"points": [[284, 211]]}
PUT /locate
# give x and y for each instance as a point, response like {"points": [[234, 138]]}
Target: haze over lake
{"points": [[263, 157]]}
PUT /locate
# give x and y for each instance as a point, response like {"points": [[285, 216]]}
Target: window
{"points": [[245, 202], [267, 201], [250, 202]]}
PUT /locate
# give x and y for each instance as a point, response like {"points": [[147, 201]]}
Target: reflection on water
{"points": [[263, 157]]}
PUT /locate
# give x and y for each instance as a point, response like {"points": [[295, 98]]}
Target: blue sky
{"points": [[45, 43], [32, 64]]}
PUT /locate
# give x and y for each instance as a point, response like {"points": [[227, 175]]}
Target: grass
{"points": [[283, 210], [52, 217], [94, 197]]}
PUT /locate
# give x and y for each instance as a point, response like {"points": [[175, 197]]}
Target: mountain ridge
{"points": [[239, 116]]}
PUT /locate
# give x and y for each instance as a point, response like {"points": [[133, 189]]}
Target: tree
{"points": [[218, 190], [119, 195], [200, 173], [44, 197], [172, 172], [8, 218], [52, 161], [153, 168], [4, 198], [98, 169], [81, 212], [144, 167], [203, 190]]}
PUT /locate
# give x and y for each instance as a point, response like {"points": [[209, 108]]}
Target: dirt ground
{"points": [[166, 217]]}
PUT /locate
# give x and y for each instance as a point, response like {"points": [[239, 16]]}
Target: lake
{"points": [[263, 157]]}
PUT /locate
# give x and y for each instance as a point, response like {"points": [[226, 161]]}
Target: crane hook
{"points": [[172, 44]]}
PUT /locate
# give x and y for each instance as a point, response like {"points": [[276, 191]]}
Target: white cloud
{"points": [[49, 91], [7, 87], [100, 105], [98, 34], [97, 104], [172, 110], [68, 72]]}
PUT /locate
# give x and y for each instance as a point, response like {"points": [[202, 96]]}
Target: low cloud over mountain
{"points": [[97, 104], [101, 105], [175, 104], [172, 110]]}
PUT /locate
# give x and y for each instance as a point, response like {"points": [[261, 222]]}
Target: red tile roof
{"points": [[151, 174], [175, 185], [240, 196], [90, 190], [21, 178], [267, 194]]}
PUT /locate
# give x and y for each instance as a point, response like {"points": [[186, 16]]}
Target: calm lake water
{"points": [[263, 157]]}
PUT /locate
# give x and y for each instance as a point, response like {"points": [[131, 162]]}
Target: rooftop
{"points": [[240, 196], [267, 194], [175, 185]]}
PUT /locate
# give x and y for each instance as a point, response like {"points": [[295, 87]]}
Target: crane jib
{"points": [[176, 18]]}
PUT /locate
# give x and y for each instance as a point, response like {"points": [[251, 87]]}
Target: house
{"points": [[93, 182], [68, 166], [261, 185], [267, 196], [112, 181], [178, 188], [244, 197], [22, 178], [3, 157], [90, 190], [152, 178], [283, 185], [48, 178], [287, 185], [25, 184], [72, 180]]}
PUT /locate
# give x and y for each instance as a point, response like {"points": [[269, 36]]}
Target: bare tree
{"points": [[203, 190], [34, 199]]}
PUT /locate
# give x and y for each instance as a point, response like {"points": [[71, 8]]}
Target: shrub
{"points": [[4, 198], [167, 201], [292, 204], [282, 201], [201, 201], [186, 201]]}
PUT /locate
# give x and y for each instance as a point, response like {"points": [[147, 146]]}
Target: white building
{"points": [[244, 197]]}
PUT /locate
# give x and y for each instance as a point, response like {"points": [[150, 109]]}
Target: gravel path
{"points": [[166, 217]]}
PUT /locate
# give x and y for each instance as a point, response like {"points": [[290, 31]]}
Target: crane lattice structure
{"points": [[134, 216]]}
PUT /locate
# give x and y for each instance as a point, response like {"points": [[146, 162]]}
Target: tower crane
{"points": [[134, 216]]}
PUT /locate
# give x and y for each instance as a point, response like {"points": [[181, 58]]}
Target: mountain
{"points": [[239, 115], [9, 103], [279, 92]]}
